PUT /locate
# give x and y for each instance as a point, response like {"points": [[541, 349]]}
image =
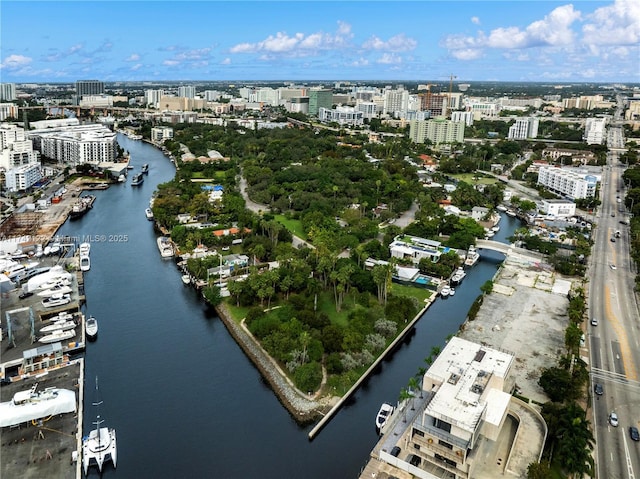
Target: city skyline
{"points": [[582, 41]]}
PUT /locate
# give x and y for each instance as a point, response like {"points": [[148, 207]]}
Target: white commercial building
{"points": [[568, 183], [559, 208], [161, 133], [594, 130], [464, 116], [524, 128], [437, 131], [343, 115], [187, 91], [7, 91], [152, 97], [76, 145]]}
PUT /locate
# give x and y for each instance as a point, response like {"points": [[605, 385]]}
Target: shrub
{"points": [[308, 377]]}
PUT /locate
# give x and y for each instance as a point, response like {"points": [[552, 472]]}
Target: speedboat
{"points": [[91, 327], [186, 279], [58, 299], [383, 416], [100, 445], [85, 263], [122, 178], [57, 289], [145, 168], [84, 249], [501, 208], [445, 291], [452, 291], [472, 256], [149, 214], [59, 325], [58, 335]]}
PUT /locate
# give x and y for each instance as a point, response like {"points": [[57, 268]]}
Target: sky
{"points": [[505, 40]]}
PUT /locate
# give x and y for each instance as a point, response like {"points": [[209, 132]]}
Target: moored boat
{"points": [[85, 263], [100, 445], [58, 335], [149, 214], [91, 327], [445, 291], [82, 206], [458, 275], [57, 299], [186, 279], [57, 289], [85, 249], [472, 257], [383, 416], [165, 247], [60, 325]]}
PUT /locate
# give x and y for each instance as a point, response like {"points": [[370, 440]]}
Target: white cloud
{"points": [[360, 62], [397, 43], [195, 58], [134, 57], [298, 44], [389, 59], [475, 20], [13, 62], [616, 24], [553, 30], [226, 61], [136, 67]]}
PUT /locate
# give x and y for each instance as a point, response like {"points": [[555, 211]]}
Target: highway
{"points": [[615, 340]]}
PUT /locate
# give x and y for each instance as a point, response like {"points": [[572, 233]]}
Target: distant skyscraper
{"points": [[7, 91], [187, 91], [89, 87], [319, 99]]}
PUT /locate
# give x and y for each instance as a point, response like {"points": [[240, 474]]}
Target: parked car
{"points": [[613, 419], [633, 432], [395, 450], [415, 460], [598, 389], [613, 266], [594, 321]]}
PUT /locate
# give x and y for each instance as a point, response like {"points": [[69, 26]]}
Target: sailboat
{"points": [[100, 445]]}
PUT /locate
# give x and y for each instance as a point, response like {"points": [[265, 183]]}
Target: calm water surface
{"points": [[184, 399]]}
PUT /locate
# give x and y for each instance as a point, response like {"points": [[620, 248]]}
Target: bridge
{"points": [[506, 249]]}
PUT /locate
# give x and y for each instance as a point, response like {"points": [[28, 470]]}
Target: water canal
{"points": [[185, 401]]}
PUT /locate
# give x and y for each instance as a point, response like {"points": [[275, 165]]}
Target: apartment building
{"points": [[524, 128], [343, 115], [7, 91], [437, 131], [465, 117], [89, 87], [319, 98], [152, 97], [187, 91], [568, 183], [8, 110], [595, 131], [76, 145], [22, 177], [18, 160], [395, 101], [161, 133]]}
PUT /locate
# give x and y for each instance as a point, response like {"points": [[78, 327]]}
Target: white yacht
{"points": [[55, 289], [59, 325], [57, 299], [85, 263], [100, 445], [445, 291], [149, 214], [383, 416], [472, 256], [57, 336], [145, 168], [165, 247], [84, 249], [458, 275], [186, 279]]}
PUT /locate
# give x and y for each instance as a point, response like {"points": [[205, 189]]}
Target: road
{"points": [[614, 342]]}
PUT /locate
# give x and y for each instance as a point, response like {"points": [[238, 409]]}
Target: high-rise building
{"points": [[395, 101], [89, 87], [319, 98], [7, 91], [568, 183], [594, 131], [152, 97], [524, 128], [187, 91], [18, 158], [437, 131]]}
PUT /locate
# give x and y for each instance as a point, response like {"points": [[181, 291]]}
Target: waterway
{"points": [[183, 397]]}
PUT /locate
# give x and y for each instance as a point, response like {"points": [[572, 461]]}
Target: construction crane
{"points": [[451, 78]]}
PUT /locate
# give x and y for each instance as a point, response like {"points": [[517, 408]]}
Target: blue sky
{"points": [[516, 40]]}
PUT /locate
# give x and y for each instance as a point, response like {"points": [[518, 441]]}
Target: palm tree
{"points": [[404, 395], [414, 385]]}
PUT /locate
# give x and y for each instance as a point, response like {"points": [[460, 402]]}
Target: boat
{"points": [[472, 257], [511, 213], [137, 179], [149, 214], [57, 289], [60, 325], [84, 249], [501, 208], [458, 275], [28, 405], [445, 291], [129, 167], [91, 327], [62, 281], [122, 178], [100, 445], [85, 263], [145, 168], [55, 248], [452, 292], [82, 206], [58, 299], [495, 229], [383, 416], [165, 247], [186, 279], [57, 336]]}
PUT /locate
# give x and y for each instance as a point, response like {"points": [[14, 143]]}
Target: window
{"points": [[445, 426], [445, 444]]}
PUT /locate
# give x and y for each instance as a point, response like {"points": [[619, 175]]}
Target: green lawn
{"points": [[469, 178], [295, 226], [411, 292]]}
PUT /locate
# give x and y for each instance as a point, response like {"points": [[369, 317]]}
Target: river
{"points": [[183, 397]]}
